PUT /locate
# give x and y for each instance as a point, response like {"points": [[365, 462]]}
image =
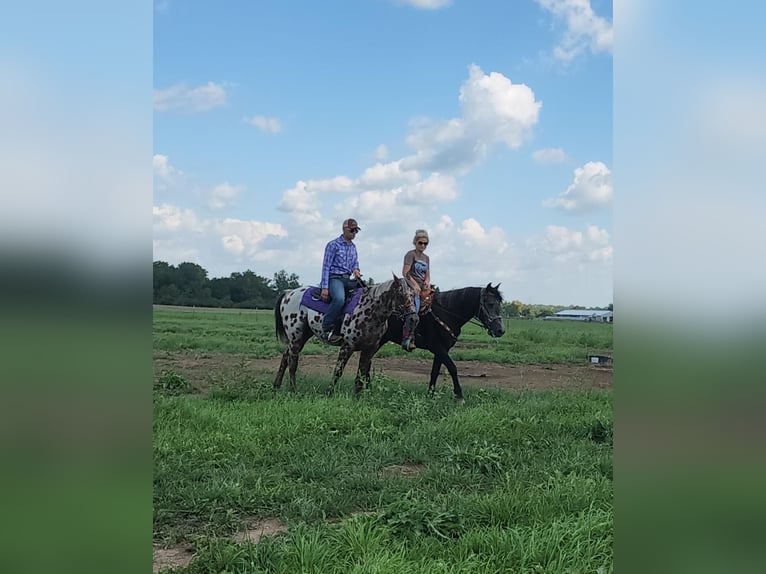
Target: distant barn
{"points": [[593, 315]]}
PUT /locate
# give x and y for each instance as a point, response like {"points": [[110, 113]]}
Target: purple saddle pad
{"points": [[312, 300]]}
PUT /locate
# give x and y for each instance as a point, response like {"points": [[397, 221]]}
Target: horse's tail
{"points": [[279, 326]]}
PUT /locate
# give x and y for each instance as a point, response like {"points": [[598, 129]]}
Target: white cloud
{"points": [[300, 200], [591, 190], [495, 111], [381, 152], [244, 237], [380, 205], [183, 98], [563, 245], [265, 124], [550, 155], [338, 184], [427, 4], [584, 29], [387, 175], [172, 219], [221, 246], [476, 236], [163, 171], [223, 195], [303, 200], [435, 189], [402, 202]]}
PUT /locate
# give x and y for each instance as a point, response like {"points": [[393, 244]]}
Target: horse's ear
{"points": [[497, 287], [489, 285]]}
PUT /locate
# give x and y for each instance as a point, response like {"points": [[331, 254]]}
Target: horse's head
{"points": [[490, 310], [404, 303]]}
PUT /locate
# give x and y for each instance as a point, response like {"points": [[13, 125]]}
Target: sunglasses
{"points": [[354, 230], [422, 242]]}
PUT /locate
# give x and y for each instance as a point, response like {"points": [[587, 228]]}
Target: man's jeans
{"points": [[337, 287]]}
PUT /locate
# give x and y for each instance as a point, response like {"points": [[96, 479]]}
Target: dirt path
{"points": [[201, 369]]}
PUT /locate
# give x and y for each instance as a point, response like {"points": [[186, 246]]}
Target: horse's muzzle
{"points": [[496, 328], [409, 322]]}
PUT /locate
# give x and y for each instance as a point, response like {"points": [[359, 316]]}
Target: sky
{"points": [[487, 123]]}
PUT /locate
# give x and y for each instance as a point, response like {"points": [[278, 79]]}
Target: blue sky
{"points": [[488, 123]]}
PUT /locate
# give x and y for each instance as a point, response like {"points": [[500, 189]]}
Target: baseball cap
{"points": [[351, 223]]}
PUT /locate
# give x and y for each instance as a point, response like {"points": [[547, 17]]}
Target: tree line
{"points": [[188, 285]]}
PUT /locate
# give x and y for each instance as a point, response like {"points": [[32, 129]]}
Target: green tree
{"points": [[513, 309], [250, 290], [283, 281], [163, 275]]}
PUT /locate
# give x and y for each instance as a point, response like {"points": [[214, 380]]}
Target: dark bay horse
{"points": [[361, 330], [439, 329]]}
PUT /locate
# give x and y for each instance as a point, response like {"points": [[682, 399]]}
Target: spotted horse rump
{"points": [[361, 329]]}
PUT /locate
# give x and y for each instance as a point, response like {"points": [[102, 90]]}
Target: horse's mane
{"points": [[448, 298], [378, 288]]}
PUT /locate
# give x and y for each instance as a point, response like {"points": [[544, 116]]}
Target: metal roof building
{"points": [[598, 315]]}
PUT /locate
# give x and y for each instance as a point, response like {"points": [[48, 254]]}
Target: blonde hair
{"points": [[419, 233]]}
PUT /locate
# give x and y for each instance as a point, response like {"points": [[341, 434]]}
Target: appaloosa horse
{"points": [[439, 328], [298, 319]]}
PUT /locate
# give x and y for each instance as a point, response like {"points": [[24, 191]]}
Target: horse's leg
{"points": [[295, 348], [343, 356], [436, 366], [452, 368], [281, 370], [363, 372]]}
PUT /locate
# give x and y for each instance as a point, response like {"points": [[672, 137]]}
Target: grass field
{"points": [[394, 482], [252, 333]]}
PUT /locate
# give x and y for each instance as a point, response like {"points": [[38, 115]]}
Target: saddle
{"points": [[313, 300], [426, 298]]}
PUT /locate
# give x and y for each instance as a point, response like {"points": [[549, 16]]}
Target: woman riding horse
{"points": [[439, 329]]}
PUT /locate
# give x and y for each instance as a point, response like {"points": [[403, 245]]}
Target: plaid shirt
{"points": [[340, 258]]}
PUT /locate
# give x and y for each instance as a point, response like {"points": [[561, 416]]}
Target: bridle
{"points": [[486, 323]]}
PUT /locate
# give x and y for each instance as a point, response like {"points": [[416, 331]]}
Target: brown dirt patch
{"points": [[182, 555], [202, 370], [256, 530], [173, 557]]}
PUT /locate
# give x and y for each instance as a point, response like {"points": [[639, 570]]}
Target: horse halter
{"points": [[488, 318]]}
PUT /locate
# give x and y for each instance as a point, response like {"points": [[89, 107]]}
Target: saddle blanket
{"points": [[312, 300]]}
